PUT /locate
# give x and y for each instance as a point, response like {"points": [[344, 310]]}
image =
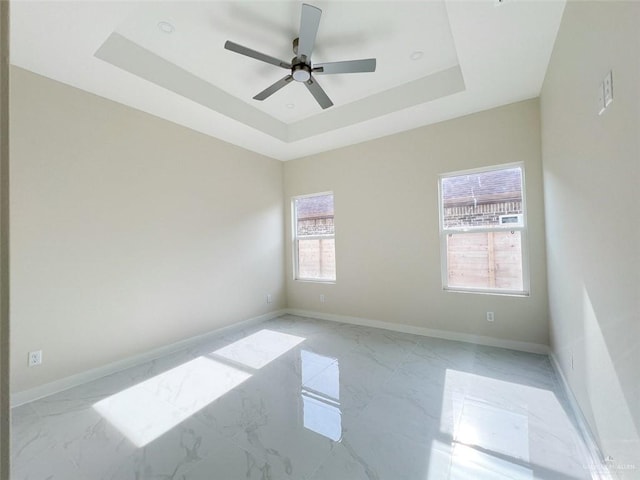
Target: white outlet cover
{"points": [[35, 358]]}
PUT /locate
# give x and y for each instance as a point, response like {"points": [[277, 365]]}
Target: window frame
{"points": [[523, 229], [295, 239]]}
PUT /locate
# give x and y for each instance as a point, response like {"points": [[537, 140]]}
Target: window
{"points": [[483, 230], [314, 237]]}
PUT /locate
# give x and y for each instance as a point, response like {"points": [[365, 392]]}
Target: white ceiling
{"points": [[475, 55]]}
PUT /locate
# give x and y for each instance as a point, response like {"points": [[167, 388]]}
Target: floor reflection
{"points": [[492, 438], [321, 394]]}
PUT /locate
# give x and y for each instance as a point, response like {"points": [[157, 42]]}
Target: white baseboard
{"points": [[25, 396], [599, 471], [427, 332]]}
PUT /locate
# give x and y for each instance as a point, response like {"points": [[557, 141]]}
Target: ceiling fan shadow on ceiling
{"points": [[301, 67]]}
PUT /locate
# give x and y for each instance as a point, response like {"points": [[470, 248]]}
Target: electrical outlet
{"points": [[605, 93], [35, 358], [490, 317], [269, 298], [321, 298]]}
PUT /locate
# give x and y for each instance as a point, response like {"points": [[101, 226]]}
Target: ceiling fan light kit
{"points": [[301, 67], [301, 72]]}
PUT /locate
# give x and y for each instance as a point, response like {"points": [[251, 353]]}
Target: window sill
{"points": [[314, 280], [487, 292]]}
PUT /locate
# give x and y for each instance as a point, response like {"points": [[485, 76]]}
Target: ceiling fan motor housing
{"points": [[301, 72]]}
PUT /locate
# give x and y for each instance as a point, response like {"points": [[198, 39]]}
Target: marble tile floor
{"points": [[304, 399]]}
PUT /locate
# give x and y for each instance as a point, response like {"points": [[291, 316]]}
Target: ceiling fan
{"points": [[301, 66]]}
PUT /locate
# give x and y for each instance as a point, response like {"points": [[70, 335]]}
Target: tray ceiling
{"points": [[435, 60]]}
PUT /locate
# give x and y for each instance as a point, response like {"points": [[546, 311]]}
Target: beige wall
{"points": [[389, 270], [128, 232], [4, 243], [592, 179]]}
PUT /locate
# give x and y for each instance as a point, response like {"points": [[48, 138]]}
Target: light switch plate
{"points": [[600, 106], [608, 89]]}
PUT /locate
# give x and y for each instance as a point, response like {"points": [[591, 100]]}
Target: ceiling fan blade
{"points": [[318, 93], [267, 92], [348, 66], [234, 47], [309, 22]]}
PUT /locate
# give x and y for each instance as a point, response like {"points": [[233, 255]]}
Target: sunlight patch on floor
{"points": [[151, 408]]}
